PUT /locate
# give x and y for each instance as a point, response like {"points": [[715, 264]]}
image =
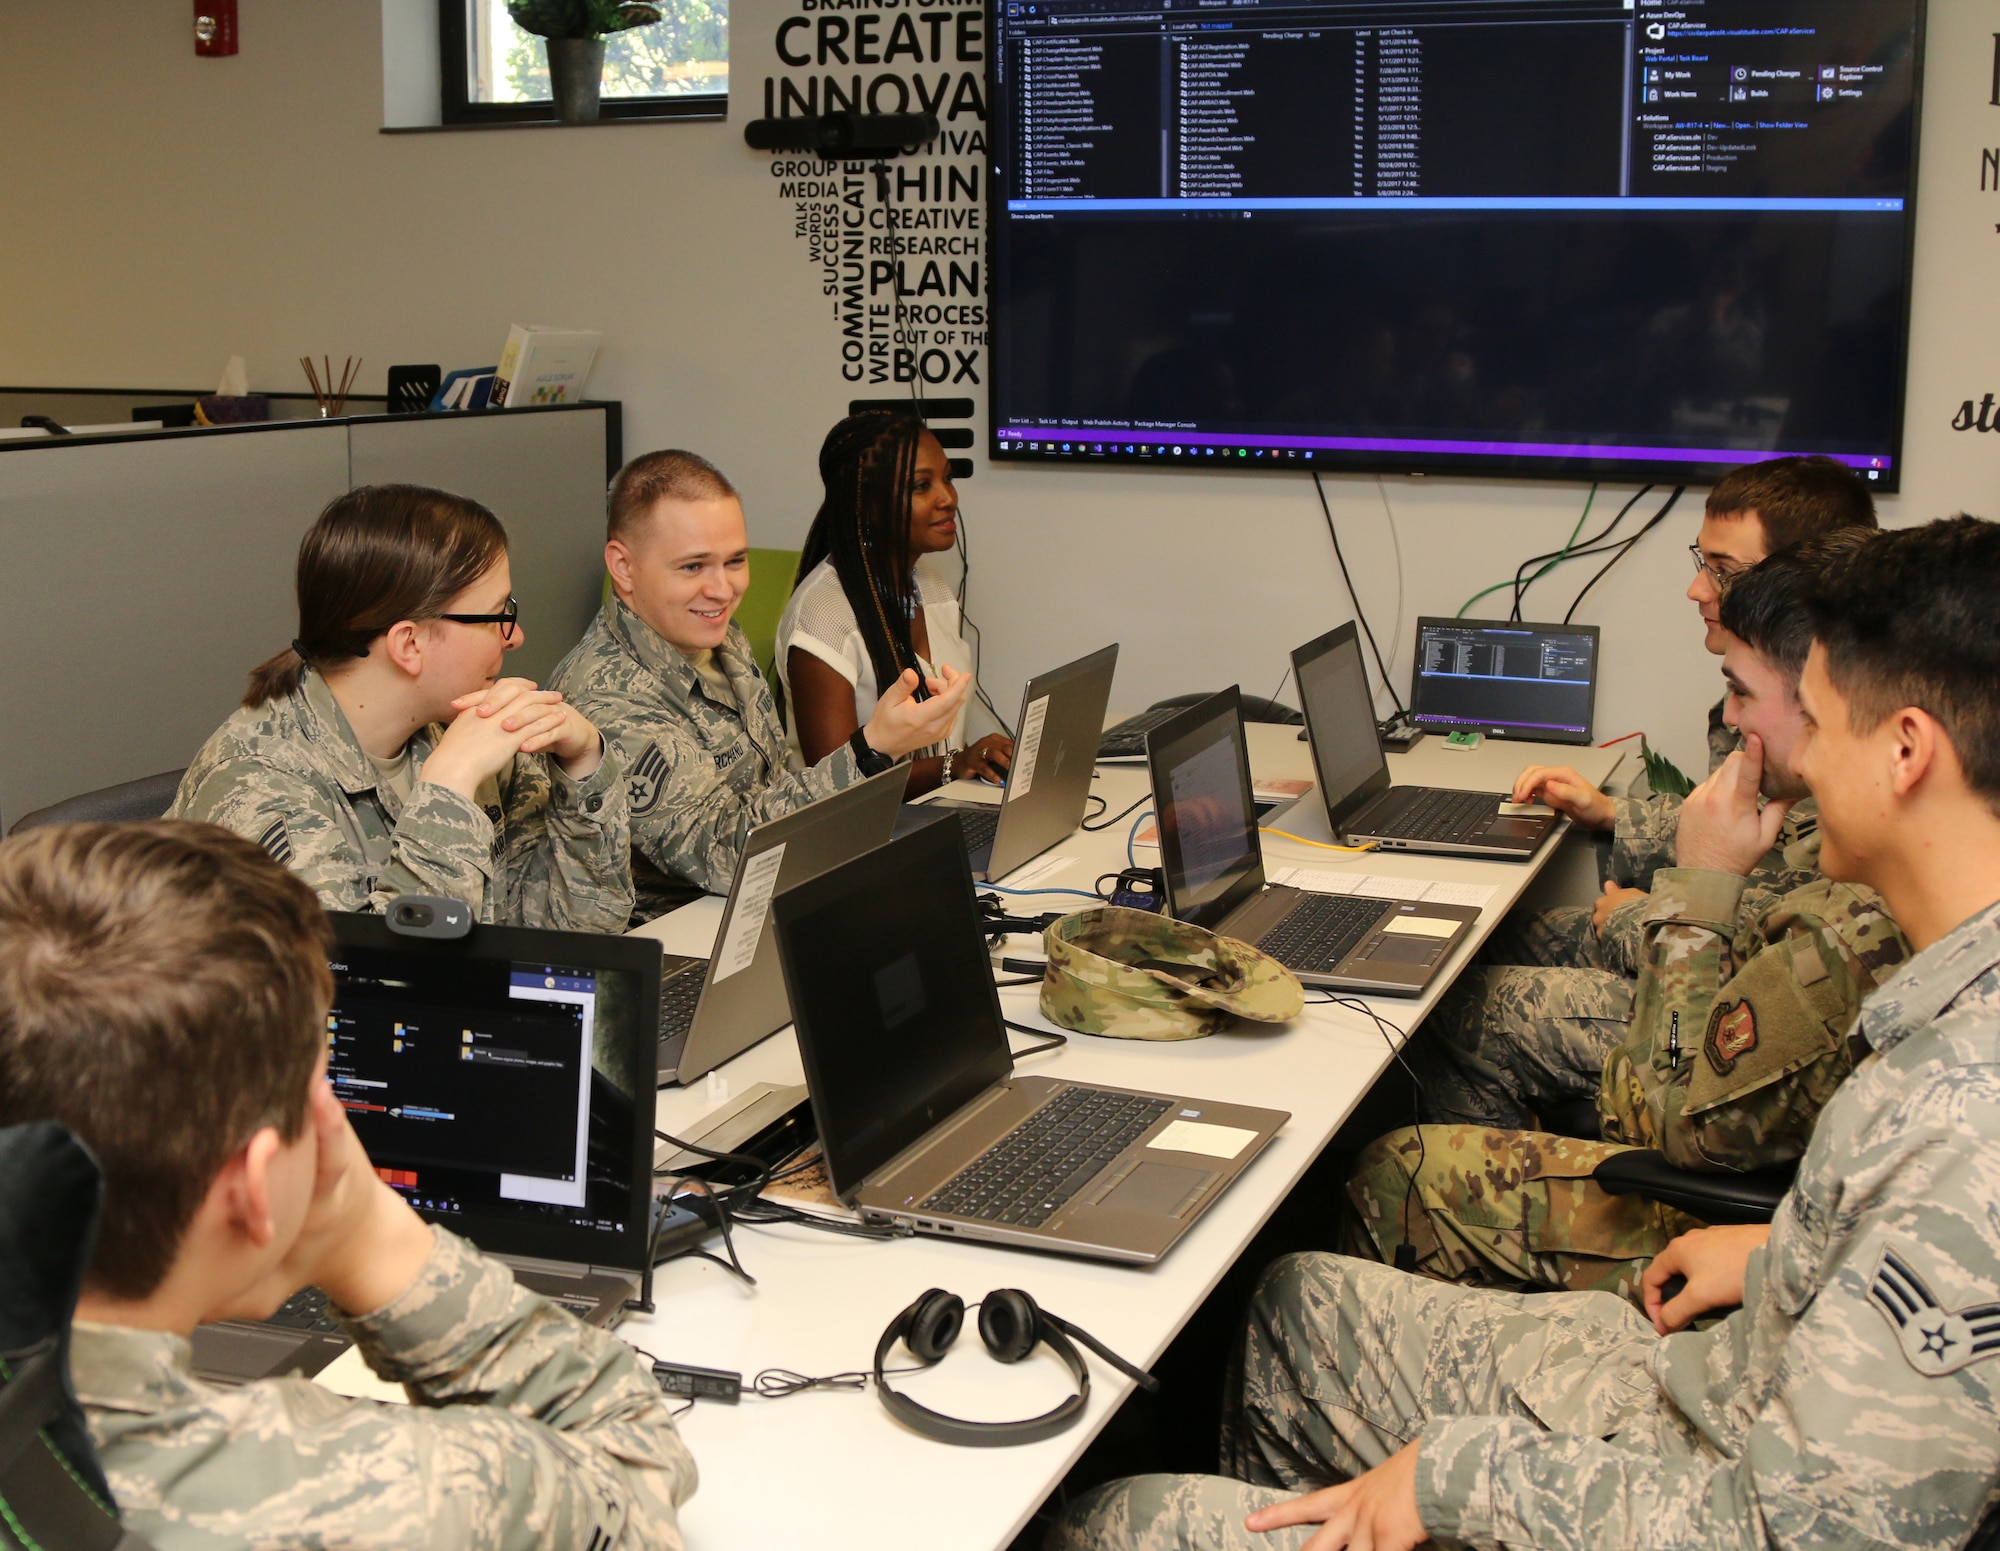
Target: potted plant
{"points": [[575, 31]]}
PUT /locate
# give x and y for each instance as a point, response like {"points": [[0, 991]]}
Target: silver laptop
{"points": [[1361, 804], [1055, 756], [1213, 863], [922, 1119], [713, 1009], [502, 1083]]}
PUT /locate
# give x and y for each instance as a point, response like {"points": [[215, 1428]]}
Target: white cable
{"points": [[1396, 540]]}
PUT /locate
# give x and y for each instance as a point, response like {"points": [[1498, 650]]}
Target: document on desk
{"points": [[1432, 891]]}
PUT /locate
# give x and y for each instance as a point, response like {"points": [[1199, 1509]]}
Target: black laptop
{"points": [[1505, 679], [1361, 804], [503, 1084], [1213, 863]]}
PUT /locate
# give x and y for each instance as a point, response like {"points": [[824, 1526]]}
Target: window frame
{"points": [[456, 106]]}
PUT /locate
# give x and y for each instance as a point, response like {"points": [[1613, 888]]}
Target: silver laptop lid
{"points": [[503, 1083], [1055, 755]]}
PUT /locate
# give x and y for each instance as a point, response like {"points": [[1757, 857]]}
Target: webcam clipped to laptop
{"points": [[923, 1120]]}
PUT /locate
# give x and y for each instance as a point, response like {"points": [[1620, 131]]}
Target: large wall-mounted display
{"points": [[1558, 238]]}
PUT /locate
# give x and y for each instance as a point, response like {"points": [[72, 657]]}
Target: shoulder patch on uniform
{"points": [[647, 780], [278, 843], [1732, 1034], [1934, 1341], [1808, 968]]}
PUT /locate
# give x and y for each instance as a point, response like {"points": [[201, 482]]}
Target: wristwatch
{"points": [[872, 761]]}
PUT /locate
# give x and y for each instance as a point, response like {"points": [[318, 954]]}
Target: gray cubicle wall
{"points": [[141, 579]]}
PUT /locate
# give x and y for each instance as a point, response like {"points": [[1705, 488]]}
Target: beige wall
{"points": [[161, 212]]}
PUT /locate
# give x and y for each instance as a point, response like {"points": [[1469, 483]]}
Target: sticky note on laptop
{"points": [[1199, 1136], [1420, 926]]}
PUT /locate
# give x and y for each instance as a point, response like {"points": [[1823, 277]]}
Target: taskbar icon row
{"points": [[1165, 451]]}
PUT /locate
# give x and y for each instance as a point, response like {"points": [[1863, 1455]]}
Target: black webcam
{"points": [[424, 915]]}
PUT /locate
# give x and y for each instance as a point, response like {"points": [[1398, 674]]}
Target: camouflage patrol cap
{"points": [[1133, 974]]}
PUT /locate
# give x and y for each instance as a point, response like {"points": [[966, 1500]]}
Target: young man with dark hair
{"points": [[1854, 1396], [163, 994], [1752, 512], [671, 680], [1735, 1036]]}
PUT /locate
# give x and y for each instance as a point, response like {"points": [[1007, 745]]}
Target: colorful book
{"points": [[543, 365]]}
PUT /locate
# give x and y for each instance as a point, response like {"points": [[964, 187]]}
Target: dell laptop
{"points": [[1361, 805], [1048, 786], [502, 1083], [923, 1120], [1213, 864], [1505, 680], [713, 1009]]}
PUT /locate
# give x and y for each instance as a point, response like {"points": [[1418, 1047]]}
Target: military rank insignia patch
{"points": [[277, 843], [647, 780], [1935, 1342], [1732, 1034]]}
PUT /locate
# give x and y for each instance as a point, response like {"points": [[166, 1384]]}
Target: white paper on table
{"points": [[1021, 777], [1475, 894], [349, 1375], [753, 904], [1040, 871], [1211, 1141], [1381, 886], [1316, 881]]}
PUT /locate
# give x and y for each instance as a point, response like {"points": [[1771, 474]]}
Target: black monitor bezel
{"points": [[1348, 637], [628, 1249], [1525, 735], [1223, 706]]}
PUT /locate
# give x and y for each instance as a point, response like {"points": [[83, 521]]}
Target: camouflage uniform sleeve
{"points": [[1739, 1037], [1881, 1427], [529, 1428], [1643, 831], [568, 854], [442, 845], [686, 817]]}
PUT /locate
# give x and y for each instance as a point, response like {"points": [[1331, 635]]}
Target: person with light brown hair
{"points": [[671, 679], [163, 994], [384, 752]]}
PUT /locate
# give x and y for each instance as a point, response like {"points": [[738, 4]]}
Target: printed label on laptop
{"points": [[1022, 777], [753, 904]]}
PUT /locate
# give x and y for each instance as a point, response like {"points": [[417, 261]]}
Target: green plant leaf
{"points": [[1662, 774]]}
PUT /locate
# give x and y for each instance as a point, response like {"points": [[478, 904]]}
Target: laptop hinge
{"points": [[939, 1135]]}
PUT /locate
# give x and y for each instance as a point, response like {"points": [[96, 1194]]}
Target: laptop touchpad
{"points": [[1158, 1189], [1514, 829]]}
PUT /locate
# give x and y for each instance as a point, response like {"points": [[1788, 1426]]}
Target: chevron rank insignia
{"points": [[278, 843], [647, 780], [1935, 1341]]}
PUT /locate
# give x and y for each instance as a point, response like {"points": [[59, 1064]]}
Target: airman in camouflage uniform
{"points": [[1738, 1036], [538, 848], [1853, 1399], [703, 772], [527, 1429]]}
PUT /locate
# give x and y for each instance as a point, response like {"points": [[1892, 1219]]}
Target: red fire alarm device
{"points": [[214, 28]]}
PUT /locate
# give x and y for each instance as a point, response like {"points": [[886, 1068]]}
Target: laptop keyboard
{"points": [[1321, 930], [680, 994], [1439, 814], [307, 1312], [1128, 738], [980, 825], [1034, 1170]]}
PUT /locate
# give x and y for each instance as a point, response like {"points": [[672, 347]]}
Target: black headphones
{"points": [[1012, 1325]]}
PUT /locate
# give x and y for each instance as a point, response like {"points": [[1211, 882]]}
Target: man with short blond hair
{"points": [[163, 994]]}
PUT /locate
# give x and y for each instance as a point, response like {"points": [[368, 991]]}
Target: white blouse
{"points": [[819, 619]]}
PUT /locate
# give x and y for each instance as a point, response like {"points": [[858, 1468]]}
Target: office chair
{"points": [[1748, 1197], [130, 802], [1255, 708], [53, 1495]]}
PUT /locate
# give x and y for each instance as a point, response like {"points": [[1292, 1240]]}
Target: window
{"points": [[495, 73]]}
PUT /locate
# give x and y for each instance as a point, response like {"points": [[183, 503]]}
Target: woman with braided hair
{"points": [[866, 606]]}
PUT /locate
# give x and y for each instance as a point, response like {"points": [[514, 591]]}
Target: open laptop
{"points": [[1361, 804], [501, 1082], [713, 1009], [1055, 754], [1505, 679], [1213, 864], [922, 1119]]}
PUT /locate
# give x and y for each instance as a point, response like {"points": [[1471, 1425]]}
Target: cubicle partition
{"points": [[143, 576]]}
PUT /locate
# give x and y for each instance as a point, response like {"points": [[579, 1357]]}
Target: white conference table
{"points": [[831, 1469]]}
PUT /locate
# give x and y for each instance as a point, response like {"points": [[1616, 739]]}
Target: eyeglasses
{"points": [[1720, 577], [506, 621]]}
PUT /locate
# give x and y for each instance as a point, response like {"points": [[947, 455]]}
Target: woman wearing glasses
{"points": [[386, 752]]}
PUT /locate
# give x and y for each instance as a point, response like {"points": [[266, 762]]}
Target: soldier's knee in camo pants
{"points": [[1508, 1040], [1514, 1209], [1558, 938]]}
